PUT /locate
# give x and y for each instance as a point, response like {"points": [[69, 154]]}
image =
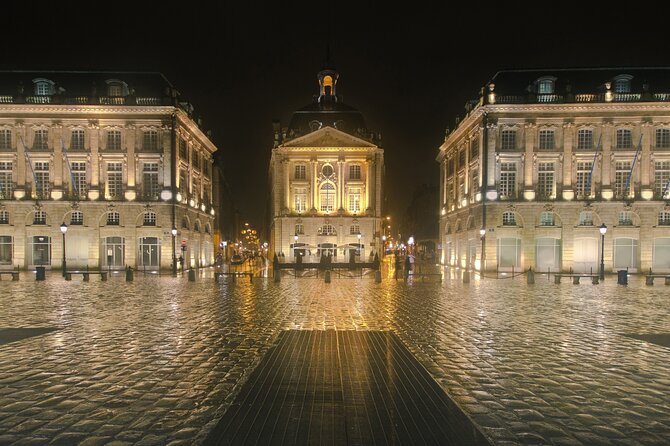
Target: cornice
{"points": [[581, 107], [288, 150], [83, 109]]}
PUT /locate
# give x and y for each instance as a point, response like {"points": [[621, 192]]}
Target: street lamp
{"points": [[603, 230], [360, 250], [482, 235], [174, 252], [63, 229], [295, 248], [225, 251], [383, 245]]}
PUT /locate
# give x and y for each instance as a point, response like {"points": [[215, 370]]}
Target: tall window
{"points": [[195, 191], [509, 219], [182, 149], [195, 159], [113, 218], [662, 179], [77, 140], [663, 138], [586, 218], [300, 199], [114, 181], [621, 178], [42, 186], [4, 217], [39, 250], [149, 251], [624, 139], [507, 185], [663, 218], [299, 229], [113, 251], [461, 158], [114, 140], [508, 140], [77, 218], [585, 139], [474, 148], [509, 252], [474, 184], [626, 218], [546, 219], [300, 171], [150, 187], [545, 181], [40, 218], [150, 140], [355, 172], [6, 182], [354, 200], [583, 179], [546, 138], [661, 253], [149, 218], [327, 197], [183, 181], [5, 139], [6, 248], [625, 253], [41, 141], [79, 183]]}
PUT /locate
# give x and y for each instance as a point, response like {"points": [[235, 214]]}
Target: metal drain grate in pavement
{"points": [[342, 388]]}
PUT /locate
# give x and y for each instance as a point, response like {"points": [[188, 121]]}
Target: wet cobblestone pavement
{"points": [[157, 361]]}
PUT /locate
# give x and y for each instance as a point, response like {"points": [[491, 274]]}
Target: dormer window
{"points": [[43, 87], [545, 85], [622, 83], [116, 88]]}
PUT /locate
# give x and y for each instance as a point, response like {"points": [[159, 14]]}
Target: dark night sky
{"points": [[409, 71]]}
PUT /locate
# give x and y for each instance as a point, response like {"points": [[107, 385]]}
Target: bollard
{"points": [[667, 280], [129, 274], [595, 280], [466, 276], [327, 276], [103, 277], [191, 275], [649, 280], [575, 280], [530, 278], [41, 273], [557, 279], [276, 275], [68, 276], [622, 277], [378, 276]]}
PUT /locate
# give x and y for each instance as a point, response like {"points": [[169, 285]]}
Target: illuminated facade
{"points": [[544, 159], [119, 167], [326, 174]]}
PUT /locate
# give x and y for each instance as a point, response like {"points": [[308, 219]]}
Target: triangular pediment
{"points": [[328, 137]]}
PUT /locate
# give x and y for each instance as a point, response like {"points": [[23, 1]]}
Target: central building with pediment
{"points": [[326, 176]]}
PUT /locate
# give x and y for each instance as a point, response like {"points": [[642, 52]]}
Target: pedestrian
{"points": [[408, 266]]}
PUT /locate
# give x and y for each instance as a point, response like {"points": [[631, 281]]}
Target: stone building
{"points": [[326, 176], [546, 159], [113, 158]]}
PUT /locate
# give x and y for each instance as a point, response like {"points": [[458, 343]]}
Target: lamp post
{"points": [[63, 229], [383, 246], [482, 235], [225, 251], [295, 250], [603, 230], [360, 250], [174, 252]]}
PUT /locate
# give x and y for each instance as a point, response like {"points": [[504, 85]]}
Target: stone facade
{"points": [[118, 169], [530, 175], [326, 176]]}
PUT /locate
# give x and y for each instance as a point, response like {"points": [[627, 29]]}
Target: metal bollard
{"points": [[40, 273], [595, 280], [575, 280], [68, 276], [191, 275], [466, 276], [649, 280], [378, 276], [327, 276], [557, 279], [129, 274], [530, 278], [622, 277]]}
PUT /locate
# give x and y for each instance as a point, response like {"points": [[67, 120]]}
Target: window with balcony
{"points": [[583, 179], [77, 218], [183, 151], [508, 140], [663, 138], [183, 182], [586, 218], [621, 175], [507, 184], [509, 219], [662, 180], [113, 218], [624, 139], [149, 218], [77, 140], [626, 218], [545, 181], [461, 158], [6, 180], [300, 172], [114, 140], [5, 139], [546, 139], [474, 147], [355, 200], [42, 184], [150, 186], [300, 200], [547, 218], [39, 218], [355, 172], [195, 159], [79, 183], [663, 218], [584, 139], [327, 197], [41, 140]]}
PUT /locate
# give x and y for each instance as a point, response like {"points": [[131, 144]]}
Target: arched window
{"points": [[663, 218], [508, 219], [208, 229], [327, 229], [196, 227], [547, 219], [327, 196], [113, 218], [184, 223], [545, 85], [43, 87], [116, 88], [40, 218], [150, 218], [77, 218], [586, 218], [622, 83]]}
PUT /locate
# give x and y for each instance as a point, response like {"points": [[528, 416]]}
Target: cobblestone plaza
{"points": [[159, 360]]}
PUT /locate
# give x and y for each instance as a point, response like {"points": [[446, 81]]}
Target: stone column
{"points": [[314, 182], [644, 161], [368, 178], [340, 184], [286, 186], [531, 137]]}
